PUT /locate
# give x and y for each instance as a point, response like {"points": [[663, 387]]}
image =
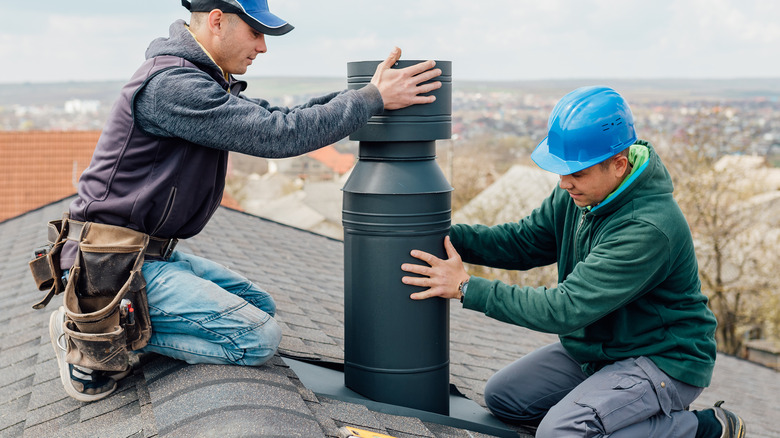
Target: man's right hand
{"points": [[441, 276], [402, 87]]}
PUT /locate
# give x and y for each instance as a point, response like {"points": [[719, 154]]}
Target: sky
{"points": [[86, 40]]}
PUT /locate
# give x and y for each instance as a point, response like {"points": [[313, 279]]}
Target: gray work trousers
{"points": [[630, 398]]}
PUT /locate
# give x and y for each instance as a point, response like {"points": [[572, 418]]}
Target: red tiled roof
{"points": [[39, 167], [329, 156]]}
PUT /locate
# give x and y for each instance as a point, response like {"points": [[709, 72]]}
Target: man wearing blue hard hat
{"points": [[636, 336], [157, 175]]}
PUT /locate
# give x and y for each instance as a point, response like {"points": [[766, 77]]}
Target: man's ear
{"points": [[216, 21], [621, 164]]}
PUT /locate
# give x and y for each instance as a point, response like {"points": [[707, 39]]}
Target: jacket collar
{"points": [[642, 156]]}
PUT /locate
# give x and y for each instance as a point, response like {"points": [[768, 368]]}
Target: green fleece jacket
{"points": [[628, 282]]}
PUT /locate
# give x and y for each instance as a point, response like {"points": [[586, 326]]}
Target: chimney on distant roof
{"points": [[396, 199]]}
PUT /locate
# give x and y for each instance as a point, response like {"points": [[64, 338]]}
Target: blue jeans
{"points": [[202, 312], [629, 398]]}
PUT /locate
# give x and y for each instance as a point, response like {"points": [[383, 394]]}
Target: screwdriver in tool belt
{"points": [[127, 312]]}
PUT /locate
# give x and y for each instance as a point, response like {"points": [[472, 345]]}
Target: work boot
{"points": [[81, 383], [716, 418]]}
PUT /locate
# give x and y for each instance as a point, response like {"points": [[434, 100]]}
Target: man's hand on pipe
{"points": [[402, 87], [441, 277]]}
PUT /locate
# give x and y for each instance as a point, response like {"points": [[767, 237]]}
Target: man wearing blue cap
{"points": [[636, 337], [159, 170]]}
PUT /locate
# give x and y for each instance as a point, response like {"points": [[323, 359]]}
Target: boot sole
{"points": [[65, 369]]}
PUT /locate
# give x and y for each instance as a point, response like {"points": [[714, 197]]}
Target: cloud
{"points": [[93, 43], [497, 39]]}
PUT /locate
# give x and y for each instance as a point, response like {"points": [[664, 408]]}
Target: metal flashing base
{"points": [[464, 413]]}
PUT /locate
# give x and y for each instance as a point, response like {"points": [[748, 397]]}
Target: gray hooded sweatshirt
{"points": [[159, 166]]}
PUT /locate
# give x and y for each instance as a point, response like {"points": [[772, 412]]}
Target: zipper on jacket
{"points": [[166, 212], [577, 235]]}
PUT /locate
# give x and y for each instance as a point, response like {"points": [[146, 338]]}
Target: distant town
{"points": [[750, 109]]}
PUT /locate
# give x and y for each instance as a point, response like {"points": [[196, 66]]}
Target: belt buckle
{"points": [[168, 249]]}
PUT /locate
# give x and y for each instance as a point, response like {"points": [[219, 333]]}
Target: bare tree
{"points": [[735, 245], [474, 164]]}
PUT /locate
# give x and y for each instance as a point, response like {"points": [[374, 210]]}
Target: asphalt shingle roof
{"points": [[304, 273]]}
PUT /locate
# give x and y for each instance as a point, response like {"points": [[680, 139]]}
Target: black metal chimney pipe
{"points": [[397, 199]]}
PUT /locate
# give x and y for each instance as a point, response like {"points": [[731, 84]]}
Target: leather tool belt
{"points": [[106, 311], [156, 249]]}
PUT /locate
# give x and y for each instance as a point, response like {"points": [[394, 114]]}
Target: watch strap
{"points": [[462, 289]]}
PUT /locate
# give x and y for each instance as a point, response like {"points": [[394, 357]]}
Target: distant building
{"points": [[303, 191], [39, 167], [512, 197], [78, 106], [316, 206], [321, 165]]}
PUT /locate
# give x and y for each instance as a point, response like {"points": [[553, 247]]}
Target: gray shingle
{"points": [[410, 426], [206, 399], [304, 273], [351, 414]]}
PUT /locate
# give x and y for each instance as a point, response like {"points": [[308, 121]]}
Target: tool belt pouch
{"points": [[45, 266], [107, 270]]}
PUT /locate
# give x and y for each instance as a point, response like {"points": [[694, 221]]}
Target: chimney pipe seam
{"points": [[398, 371]]}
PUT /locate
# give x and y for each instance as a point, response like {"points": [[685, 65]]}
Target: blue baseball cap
{"points": [[255, 13]]}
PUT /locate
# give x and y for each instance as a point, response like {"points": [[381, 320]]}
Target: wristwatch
{"points": [[462, 289]]}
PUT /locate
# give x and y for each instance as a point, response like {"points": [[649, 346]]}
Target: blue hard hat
{"points": [[587, 126]]}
